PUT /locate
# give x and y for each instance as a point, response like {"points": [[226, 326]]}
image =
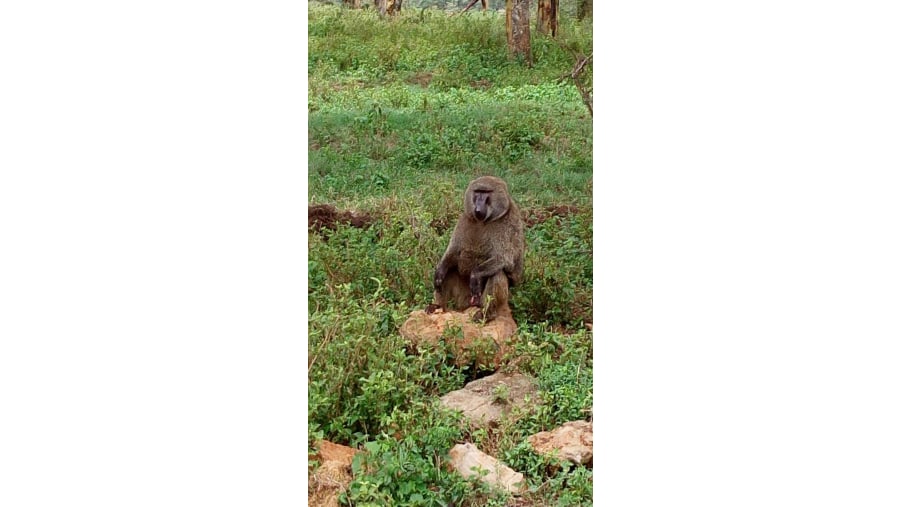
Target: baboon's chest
{"points": [[476, 252]]}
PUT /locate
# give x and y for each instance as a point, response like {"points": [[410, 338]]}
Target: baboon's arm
{"points": [[491, 266], [448, 261], [484, 271]]}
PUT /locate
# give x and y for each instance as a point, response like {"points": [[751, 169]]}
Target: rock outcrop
{"points": [[470, 341], [332, 476]]}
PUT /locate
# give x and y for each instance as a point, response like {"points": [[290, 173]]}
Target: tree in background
{"points": [[352, 4], [518, 33], [484, 5], [585, 9], [548, 16], [388, 7]]}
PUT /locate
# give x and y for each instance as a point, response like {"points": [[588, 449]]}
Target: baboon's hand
{"points": [[432, 308], [439, 275], [475, 286], [475, 291]]}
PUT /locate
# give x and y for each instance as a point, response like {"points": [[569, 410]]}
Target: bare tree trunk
{"points": [[396, 7], [388, 7], [585, 9], [518, 33], [352, 4], [548, 16]]}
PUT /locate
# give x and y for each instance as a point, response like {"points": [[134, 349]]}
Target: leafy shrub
{"points": [[406, 469], [552, 478], [559, 272]]}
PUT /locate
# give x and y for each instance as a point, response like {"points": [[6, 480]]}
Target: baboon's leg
{"points": [[496, 297], [453, 294]]}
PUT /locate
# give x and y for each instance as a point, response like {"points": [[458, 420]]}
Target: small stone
{"points": [[573, 441], [468, 461]]}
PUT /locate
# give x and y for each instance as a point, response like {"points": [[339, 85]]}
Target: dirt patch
{"points": [[482, 84], [326, 216], [540, 215], [422, 79], [351, 84], [318, 144]]}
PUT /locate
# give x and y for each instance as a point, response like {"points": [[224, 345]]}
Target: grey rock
{"points": [[484, 401], [468, 461]]}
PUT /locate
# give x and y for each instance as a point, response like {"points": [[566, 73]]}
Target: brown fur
{"points": [[486, 252]]}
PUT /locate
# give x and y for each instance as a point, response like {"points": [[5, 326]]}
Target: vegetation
{"points": [[403, 112]]}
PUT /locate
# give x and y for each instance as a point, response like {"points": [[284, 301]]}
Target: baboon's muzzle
{"points": [[481, 205]]}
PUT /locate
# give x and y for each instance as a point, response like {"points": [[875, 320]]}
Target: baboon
{"points": [[486, 253]]}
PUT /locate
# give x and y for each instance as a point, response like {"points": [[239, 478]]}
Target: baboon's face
{"points": [[481, 200], [487, 199]]}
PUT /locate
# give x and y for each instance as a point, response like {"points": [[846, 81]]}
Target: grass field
{"points": [[402, 114]]}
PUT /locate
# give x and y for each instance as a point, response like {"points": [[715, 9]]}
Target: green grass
{"points": [[402, 114]]}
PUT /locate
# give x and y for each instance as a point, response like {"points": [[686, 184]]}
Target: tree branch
{"points": [[473, 2], [580, 64]]}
